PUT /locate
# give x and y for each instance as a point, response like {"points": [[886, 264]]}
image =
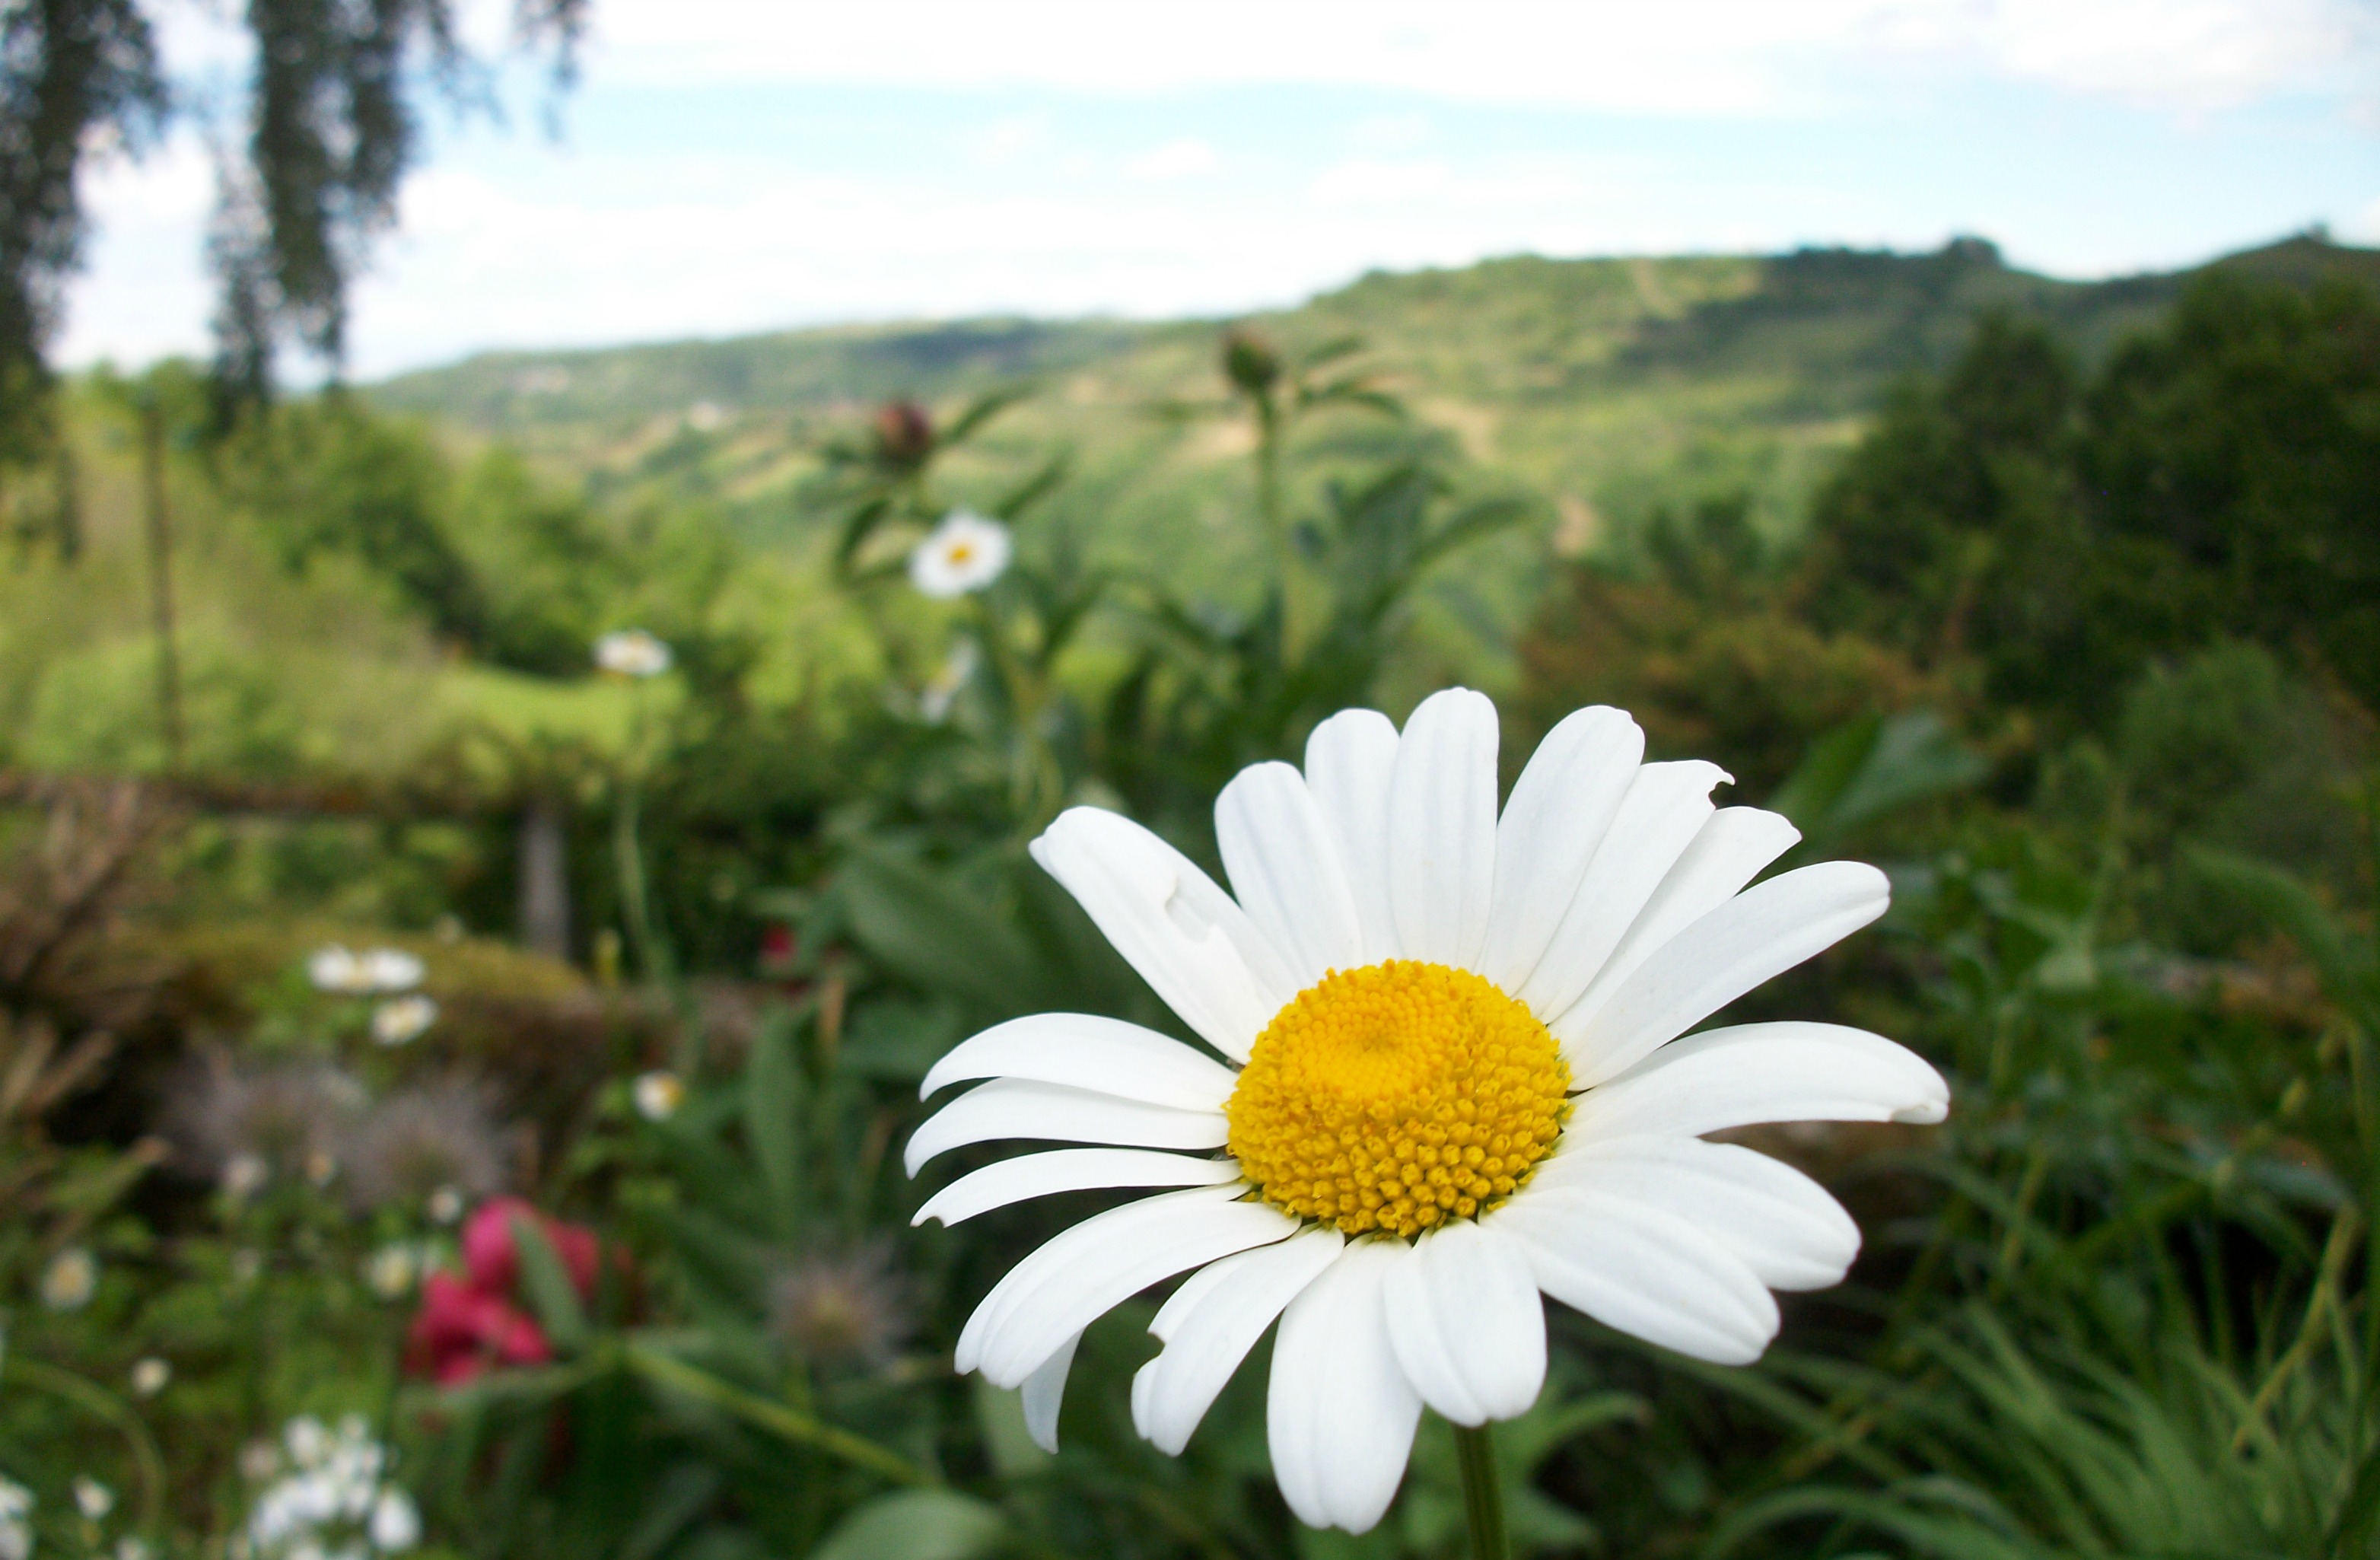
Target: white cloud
{"points": [[1182, 157], [1685, 57]]}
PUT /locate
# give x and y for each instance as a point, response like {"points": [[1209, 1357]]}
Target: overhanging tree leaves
{"points": [[332, 128]]}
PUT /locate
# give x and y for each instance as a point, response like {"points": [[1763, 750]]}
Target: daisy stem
{"points": [[1483, 1493]]}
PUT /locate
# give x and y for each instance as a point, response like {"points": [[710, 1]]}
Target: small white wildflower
{"points": [[632, 652], [16, 1520], [396, 1522], [336, 968], [149, 1375], [390, 970], [445, 1205], [93, 1498], [404, 1020], [246, 1265], [391, 1270], [658, 1094], [957, 668], [70, 1280], [244, 1175], [131, 1548], [308, 1440], [965, 553]]}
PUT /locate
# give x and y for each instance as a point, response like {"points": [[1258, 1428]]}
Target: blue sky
{"points": [[730, 166]]}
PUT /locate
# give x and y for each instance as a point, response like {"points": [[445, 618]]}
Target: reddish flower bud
{"points": [[1249, 360], [905, 434]]}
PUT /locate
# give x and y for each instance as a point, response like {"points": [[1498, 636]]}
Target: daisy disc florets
{"points": [[1448, 1081]]}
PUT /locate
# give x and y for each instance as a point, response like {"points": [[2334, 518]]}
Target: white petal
{"points": [[1730, 850], [1666, 806], [1759, 934], [1285, 869], [1045, 1394], [1042, 1175], [1349, 760], [1644, 1271], [1466, 1324], [1339, 1412], [1442, 828], [1560, 810], [1106, 1056], [1190, 941], [1753, 1073], [1011, 1107], [1780, 1224], [1209, 1325], [1083, 1273]]}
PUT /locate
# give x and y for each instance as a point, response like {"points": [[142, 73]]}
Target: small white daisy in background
{"points": [[1452, 1084], [390, 971], [244, 1175], [632, 652], [149, 1375], [93, 1498], [70, 1280], [246, 1265], [657, 1094], [934, 701], [344, 972], [131, 1548], [403, 1020], [391, 1270], [16, 1520], [965, 553], [444, 1205], [336, 968]]}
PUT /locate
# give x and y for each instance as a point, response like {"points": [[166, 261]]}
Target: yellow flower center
{"points": [[1395, 1096], [960, 552]]}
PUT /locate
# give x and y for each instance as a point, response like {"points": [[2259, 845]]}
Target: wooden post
{"points": [[545, 879], [161, 577]]}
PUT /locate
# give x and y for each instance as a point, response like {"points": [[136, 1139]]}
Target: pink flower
{"points": [[472, 1322], [493, 1261], [462, 1330]]}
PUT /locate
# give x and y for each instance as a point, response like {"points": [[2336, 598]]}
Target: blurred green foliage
{"points": [[2070, 644]]}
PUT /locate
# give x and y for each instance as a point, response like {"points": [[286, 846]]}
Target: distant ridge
{"points": [[1864, 313], [1609, 388]]}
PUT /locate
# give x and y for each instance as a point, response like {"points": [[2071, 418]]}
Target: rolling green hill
{"points": [[1613, 384], [1607, 387]]}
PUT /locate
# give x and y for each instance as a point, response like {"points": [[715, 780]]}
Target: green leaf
{"points": [[999, 1415], [547, 1284], [773, 1118], [1872, 766], [2349, 980], [923, 928], [917, 1525]]}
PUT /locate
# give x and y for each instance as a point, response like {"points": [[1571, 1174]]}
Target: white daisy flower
{"points": [[965, 553], [632, 652], [70, 1280], [390, 971], [657, 1094], [403, 1020], [149, 1375], [336, 968], [1452, 1084]]}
